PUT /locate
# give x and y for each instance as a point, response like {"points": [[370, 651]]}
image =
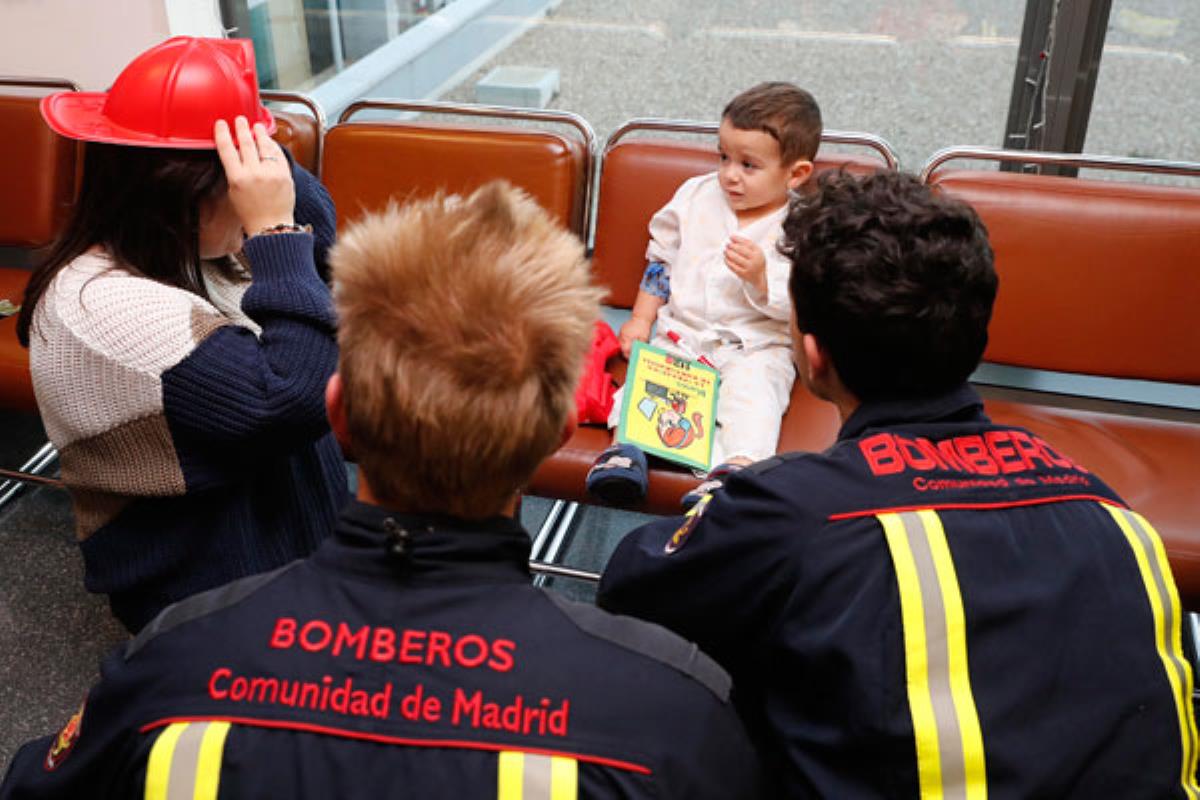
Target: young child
{"points": [[716, 280]]}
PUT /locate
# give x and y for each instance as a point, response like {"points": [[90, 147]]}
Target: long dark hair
{"points": [[142, 204]]}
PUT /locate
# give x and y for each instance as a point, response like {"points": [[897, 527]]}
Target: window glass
{"points": [[301, 43], [923, 74], [1146, 101]]}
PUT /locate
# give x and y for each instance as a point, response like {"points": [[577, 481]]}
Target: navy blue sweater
{"points": [[262, 477]]}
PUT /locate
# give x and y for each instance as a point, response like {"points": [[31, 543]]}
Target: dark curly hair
{"points": [[894, 280]]}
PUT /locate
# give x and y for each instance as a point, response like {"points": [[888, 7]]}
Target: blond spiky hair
{"points": [[463, 325]]}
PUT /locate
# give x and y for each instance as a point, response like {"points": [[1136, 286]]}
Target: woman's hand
{"points": [[259, 178]]}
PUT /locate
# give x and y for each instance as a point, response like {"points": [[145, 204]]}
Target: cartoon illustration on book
{"points": [[674, 427], [671, 413]]}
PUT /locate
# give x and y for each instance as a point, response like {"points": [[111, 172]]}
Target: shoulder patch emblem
{"points": [[62, 745], [681, 535]]}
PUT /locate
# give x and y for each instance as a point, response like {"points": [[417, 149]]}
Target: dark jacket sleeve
{"points": [[720, 578], [315, 207], [97, 763], [241, 394], [236, 389]]}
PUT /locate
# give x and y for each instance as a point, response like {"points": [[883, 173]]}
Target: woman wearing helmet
{"points": [[180, 337]]}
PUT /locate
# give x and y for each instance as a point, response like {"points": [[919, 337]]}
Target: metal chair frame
{"points": [[313, 107], [870, 141], [1041, 158]]}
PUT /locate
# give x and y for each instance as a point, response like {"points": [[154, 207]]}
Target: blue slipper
{"points": [[715, 480], [619, 476]]}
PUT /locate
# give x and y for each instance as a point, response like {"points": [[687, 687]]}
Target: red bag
{"points": [[594, 395]]}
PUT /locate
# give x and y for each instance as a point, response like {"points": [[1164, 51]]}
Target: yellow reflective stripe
{"points": [[511, 775], [956, 645], [912, 613], [949, 742], [532, 776], [185, 761], [564, 778], [158, 768], [208, 769], [1160, 588]]}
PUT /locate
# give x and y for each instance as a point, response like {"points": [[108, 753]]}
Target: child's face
{"points": [[752, 173]]}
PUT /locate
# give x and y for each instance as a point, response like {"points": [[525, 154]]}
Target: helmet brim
{"points": [[80, 115]]}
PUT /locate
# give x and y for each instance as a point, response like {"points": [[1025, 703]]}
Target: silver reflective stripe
{"points": [[535, 784], [182, 782]]}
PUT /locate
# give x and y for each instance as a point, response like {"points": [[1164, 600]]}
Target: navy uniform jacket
{"points": [[408, 657], [936, 606]]}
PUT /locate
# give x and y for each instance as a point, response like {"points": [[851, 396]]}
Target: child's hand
{"points": [[746, 260], [635, 330]]}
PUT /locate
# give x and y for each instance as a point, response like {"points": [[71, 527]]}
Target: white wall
{"points": [[90, 41]]}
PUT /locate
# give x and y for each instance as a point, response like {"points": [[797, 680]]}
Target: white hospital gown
{"points": [[717, 314]]}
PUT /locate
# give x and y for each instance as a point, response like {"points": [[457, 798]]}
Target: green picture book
{"points": [[669, 406]]}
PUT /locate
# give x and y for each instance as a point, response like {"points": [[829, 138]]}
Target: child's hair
{"points": [[785, 111], [463, 325]]}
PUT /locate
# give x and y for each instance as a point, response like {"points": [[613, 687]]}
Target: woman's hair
{"points": [[143, 205]]}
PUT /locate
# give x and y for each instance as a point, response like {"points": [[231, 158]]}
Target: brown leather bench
{"points": [[638, 176], [302, 133], [1100, 278], [38, 173], [366, 164]]}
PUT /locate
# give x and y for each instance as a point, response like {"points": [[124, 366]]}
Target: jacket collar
{"points": [[959, 404], [373, 540]]}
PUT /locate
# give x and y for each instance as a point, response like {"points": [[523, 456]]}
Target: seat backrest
{"points": [[37, 188], [366, 164], [1096, 277], [301, 134], [37, 171], [637, 178]]}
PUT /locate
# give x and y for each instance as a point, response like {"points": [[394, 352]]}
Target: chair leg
{"points": [[30, 472]]}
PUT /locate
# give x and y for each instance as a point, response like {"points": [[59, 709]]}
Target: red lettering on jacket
{"points": [[974, 454], [881, 454], [218, 674], [284, 635], [1029, 451], [315, 635], [383, 645], [999, 444], [502, 655], [411, 644], [994, 452], [439, 647], [345, 638], [915, 456], [463, 654]]}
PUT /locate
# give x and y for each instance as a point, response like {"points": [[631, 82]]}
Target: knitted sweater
{"points": [[192, 434]]}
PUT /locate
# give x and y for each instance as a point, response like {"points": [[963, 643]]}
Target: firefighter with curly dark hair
{"points": [[937, 605]]}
